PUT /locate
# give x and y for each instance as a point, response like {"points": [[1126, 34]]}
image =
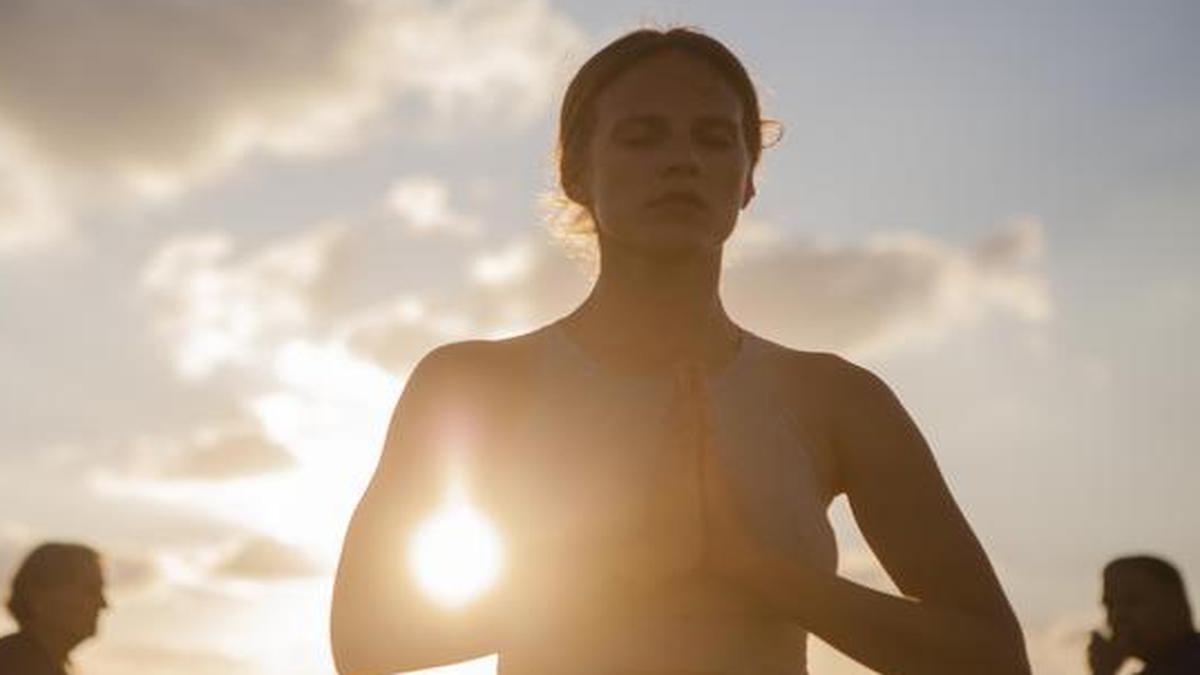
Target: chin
{"points": [[679, 250], [680, 237]]}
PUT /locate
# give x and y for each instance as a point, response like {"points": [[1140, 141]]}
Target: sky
{"points": [[229, 229]]}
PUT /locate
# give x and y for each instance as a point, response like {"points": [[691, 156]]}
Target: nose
{"points": [[681, 157]]}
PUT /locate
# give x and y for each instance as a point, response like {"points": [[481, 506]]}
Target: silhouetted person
{"points": [[662, 475], [1149, 618], [56, 598]]}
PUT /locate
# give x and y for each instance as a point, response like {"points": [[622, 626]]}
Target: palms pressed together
{"points": [[697, 523]]}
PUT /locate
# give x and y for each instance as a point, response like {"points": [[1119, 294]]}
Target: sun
{"points": [[456, 553]]}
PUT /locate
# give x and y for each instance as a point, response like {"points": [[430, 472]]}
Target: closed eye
{"points": [[716, 133], [639, 131]]}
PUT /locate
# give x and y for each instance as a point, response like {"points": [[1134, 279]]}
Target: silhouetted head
{"points": [[659, 135], [1146, 603], [58, 591]]}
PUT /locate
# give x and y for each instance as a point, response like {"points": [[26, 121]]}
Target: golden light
{"points": [[456, 554]]}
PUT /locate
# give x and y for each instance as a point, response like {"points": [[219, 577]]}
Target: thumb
{"points": [[720, 502]]}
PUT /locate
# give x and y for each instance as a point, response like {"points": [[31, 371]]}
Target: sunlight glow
{"points": [[456, 554]]}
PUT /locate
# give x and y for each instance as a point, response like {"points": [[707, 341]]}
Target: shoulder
{"points": [[822, 390], [18, 655], [476, 364], [12, 645], [835, 378], [847, 409], [479, 379], [871, 436]]}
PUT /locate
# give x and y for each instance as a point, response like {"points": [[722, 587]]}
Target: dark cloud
{"points": [[147, 97], [156, 85]]}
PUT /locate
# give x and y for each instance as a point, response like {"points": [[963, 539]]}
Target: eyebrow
{"points": [[633, 120], [658, 121], [722, 122]]}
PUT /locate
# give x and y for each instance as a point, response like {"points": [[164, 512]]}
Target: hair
{"points": [[1163, 573], [571, 218], [50, 565]]}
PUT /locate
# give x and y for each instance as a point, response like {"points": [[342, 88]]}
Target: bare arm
{"points": [[381, 622], [954, 617]]}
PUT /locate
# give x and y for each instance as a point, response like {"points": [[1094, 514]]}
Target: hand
{"points": [[730, 547], [1105, 655], [664, 538]]}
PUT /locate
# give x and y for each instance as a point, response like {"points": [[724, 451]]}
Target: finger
{"points": [[688, 415]]}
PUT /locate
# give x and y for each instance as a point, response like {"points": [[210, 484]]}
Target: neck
{"points": [[55, 645], [1170, 643], [647, 310]]}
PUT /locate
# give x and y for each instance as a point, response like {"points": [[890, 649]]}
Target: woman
{"points": [[661, 475]]}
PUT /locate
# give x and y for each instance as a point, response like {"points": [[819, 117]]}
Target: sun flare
{"points": [[456, 553]]}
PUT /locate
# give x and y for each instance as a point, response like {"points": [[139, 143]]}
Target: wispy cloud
{"points": [[216, 307], [210, 453], [229, 454], [30, 215], [422, 203], [265, 559], [110, 657], [396, 334]]}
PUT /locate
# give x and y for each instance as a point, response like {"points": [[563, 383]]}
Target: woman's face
{"points": [[668, 169]]}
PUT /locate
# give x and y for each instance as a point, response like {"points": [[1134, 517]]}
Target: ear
{"points": [[578, 192], [577, 185], [749, 192]]}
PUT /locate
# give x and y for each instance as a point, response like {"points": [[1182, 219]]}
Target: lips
{"points": [[679, 198]]}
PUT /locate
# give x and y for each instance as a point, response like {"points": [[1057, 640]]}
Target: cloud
{"points": [[214, 453], [151, 96], [890, 290], [108, 656], [881, 294], [508, 288], [491, 60], [222, 455], [397, 334], [216, 308], [219, 306], [423, 205], [30, 217], [265, 559], [124, 571], [521, 284]]}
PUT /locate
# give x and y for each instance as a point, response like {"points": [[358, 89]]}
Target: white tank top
{"points": [[599, 461]]}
